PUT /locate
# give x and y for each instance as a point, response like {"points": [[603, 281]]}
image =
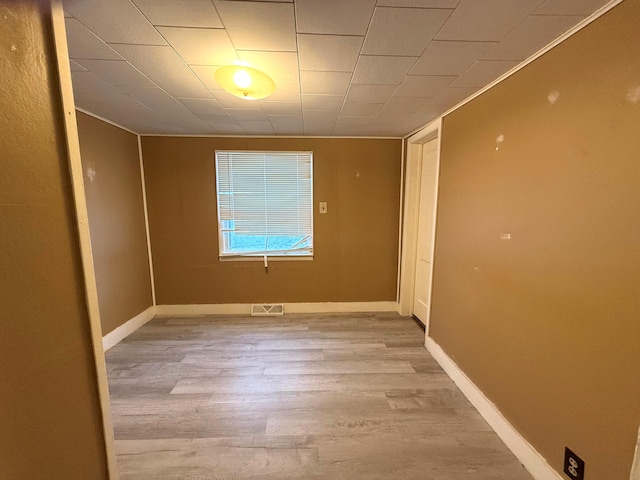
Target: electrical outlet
{"points": [[573, 465]]}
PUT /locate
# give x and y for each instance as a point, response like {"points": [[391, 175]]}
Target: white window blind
{"points": [[265, 203]]}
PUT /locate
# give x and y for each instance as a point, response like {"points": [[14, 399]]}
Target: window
{"points": [[265, 203]]}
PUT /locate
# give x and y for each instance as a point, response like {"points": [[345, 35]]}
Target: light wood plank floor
{"points": [[299, 396]]}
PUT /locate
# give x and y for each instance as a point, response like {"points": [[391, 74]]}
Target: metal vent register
{"points": [[267, 309]]}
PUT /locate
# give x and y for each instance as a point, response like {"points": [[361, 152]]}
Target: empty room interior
{"points": [[369, 239]]}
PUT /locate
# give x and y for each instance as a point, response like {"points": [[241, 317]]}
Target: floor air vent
{"points": [[267, 309]]}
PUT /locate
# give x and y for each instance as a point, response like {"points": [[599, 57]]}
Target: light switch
{"points": [[323, 207]]}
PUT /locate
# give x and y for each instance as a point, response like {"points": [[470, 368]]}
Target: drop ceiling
{"points": [[341, 67]]}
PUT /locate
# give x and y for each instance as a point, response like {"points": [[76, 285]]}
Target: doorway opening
{"points": [[420, 207]]}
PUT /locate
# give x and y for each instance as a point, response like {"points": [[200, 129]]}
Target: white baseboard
{"points": [[245, 308], [521, 448], [126, 329]]}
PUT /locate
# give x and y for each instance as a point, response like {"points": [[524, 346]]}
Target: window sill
{"points": [[260, 258]]}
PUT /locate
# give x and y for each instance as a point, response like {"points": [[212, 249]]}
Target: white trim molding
{"points": [[116, 336], [80, 203], [411, 202], [143, 180], [245, 308], [102, 119], [530, 458]]}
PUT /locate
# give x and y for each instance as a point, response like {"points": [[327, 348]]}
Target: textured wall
{"points": [[546, 323], [113, 187], [50, 422], [356, 242]]}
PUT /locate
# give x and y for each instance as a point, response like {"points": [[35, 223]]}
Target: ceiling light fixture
{"points": [[245, 82]]}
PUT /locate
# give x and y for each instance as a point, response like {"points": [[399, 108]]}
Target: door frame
{"points": [[411, 203]]}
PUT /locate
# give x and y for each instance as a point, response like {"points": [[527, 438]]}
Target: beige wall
{"points": [[356, 242], [113, 186], [547, 323], [50, 422]]}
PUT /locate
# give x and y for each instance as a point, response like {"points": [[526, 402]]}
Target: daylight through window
{"points": [[265, 203]]}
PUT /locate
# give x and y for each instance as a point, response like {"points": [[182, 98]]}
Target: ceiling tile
{"points": [[162, 65], [207, 117], [351, 122], [330, 53], [281, 121], [415, 123], [76, 67], [185, 13], [489, 20], [84, 44], [145, 124], [360, 109], [201, 46], [570, 7], [286, 92], [207, 75], [534, 33], [257, 127], [152, 97], [335, 17], [396, 122], [217, 120], [280, 66], [382, 70], [117, 72], [402, 77], [322, 102], [231, 101], [428, 113], [449, 57], [419, 3], [176, 119], [259, 26], [325, 82], [90, 84], [483, 72], [422, 85], [451, 96], [202, 105], [229, 129], [402, 105], [319, 123], [389, 130], [286, 124], [370, 93], [403, 31], [282, 108], [318, 131], [246, 114], [320, 116], [108, 105], [115, 21]]}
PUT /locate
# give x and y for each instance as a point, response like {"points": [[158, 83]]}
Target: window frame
{"points": [[262, 256]]}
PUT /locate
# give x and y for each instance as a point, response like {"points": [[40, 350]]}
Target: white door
{"points": [[426, 215]]}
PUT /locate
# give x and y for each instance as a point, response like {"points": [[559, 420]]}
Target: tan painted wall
{"points": [[50, 422], [356, 242], [547, 323], [113, 187]]}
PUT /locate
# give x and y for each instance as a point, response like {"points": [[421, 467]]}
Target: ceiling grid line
{"points": [[363, 67]]}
